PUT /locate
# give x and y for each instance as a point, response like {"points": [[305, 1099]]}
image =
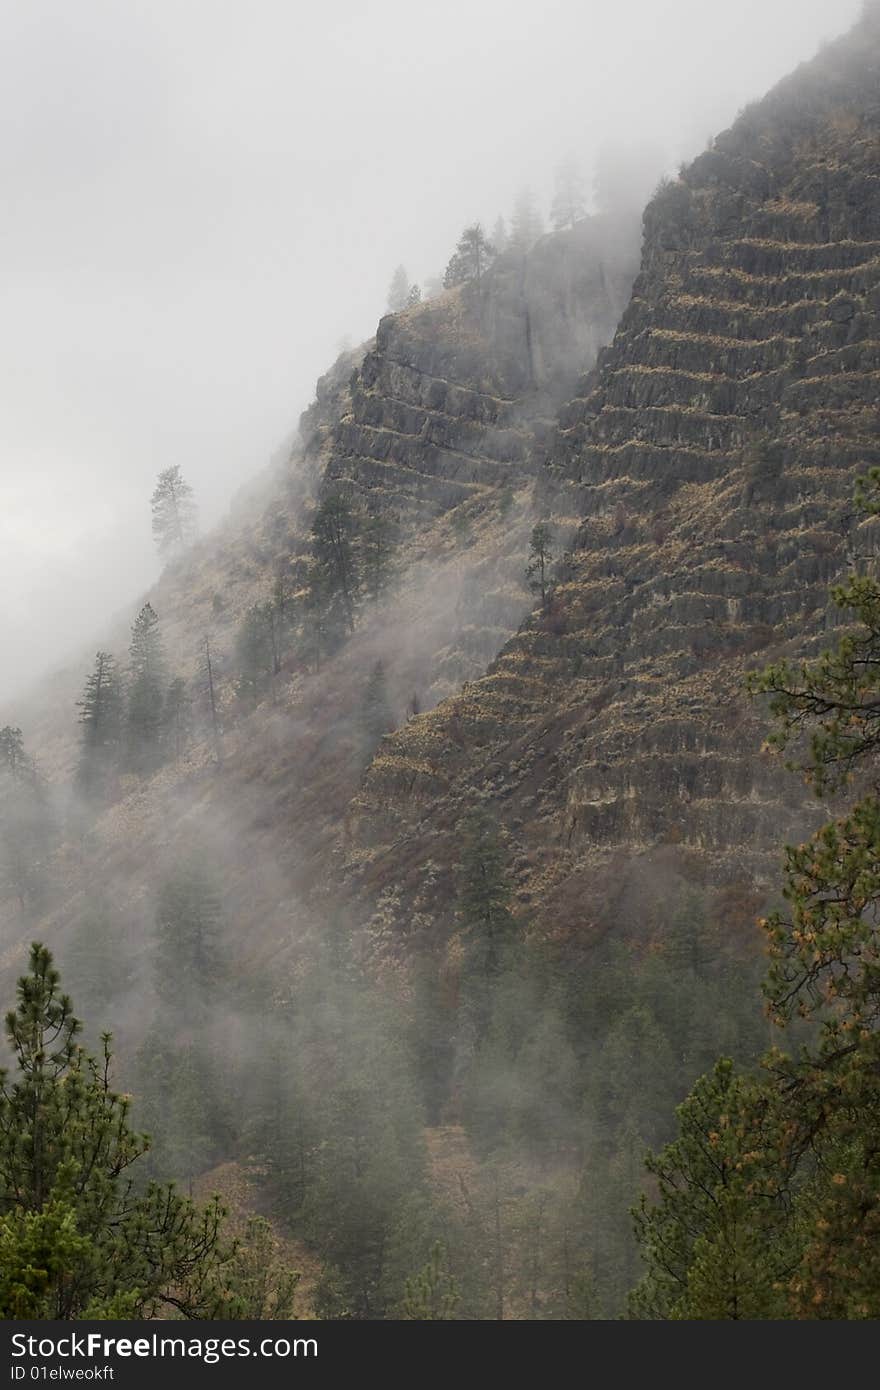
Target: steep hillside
{"points": [[714, 450], [448, 399], [416, 928], [432, 424]]}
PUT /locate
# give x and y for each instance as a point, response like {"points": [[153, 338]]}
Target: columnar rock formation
{"points": [[700, 479], [713, 453], [449, 398], [433, 423]]}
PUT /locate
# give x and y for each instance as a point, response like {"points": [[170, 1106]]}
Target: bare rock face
{"points": [[446, 402], [434, 423], [713, 452]]}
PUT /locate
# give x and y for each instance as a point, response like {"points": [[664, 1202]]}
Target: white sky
{"points": [[201, 199]]}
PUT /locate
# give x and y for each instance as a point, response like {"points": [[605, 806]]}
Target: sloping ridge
{"points": [[449, 397], [714, 450], [433, 422]]}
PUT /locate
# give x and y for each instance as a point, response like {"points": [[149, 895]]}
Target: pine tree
{"points": [[188, 1116], [414, 297], [212, 698], [526, 226], [483, 911], [334, 535], [279, 1122], [322, 619], [432, 1295], [100, 719], [183, 1094], [770, 1197], [570, 198], [540, 559], [146, 691], [366, 1160], [177, 716], [174, 515], [431, 1026], [96, 961], [255, 651], [257, 1285], [718, 1242], [473, 254], [39, 1251], [27, 825], [66, 1148], [824, 951], [377, 553], [188, 915], [369, 1162], [398, 290], [499, 236]]}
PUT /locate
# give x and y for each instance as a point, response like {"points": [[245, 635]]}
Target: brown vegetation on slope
{"points": [[714, 452]]}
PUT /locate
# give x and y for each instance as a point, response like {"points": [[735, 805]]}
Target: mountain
{"points": [[427, 936], [713, 452], [434, 424]]}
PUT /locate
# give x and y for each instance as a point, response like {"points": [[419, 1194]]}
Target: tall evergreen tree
{"points": [[334, 536], [26, 823], [177, 716], [66, 1148], [718, 1242], [258, 1285], [211, 692], [188, 964], [255, 651], [174, 513], [97, 964], [540, 559], [499, 236], [100, 718], [369, 1163], [526, 226], [280, 1123], [473, 255], [377, 553], [183, 1096], [801, 1142], [432, 1295], [146, 691], [322, 619], [483, 911], [398, 290]]}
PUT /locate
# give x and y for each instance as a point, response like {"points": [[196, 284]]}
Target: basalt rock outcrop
{"points": [[449, 398], [433, 423], [713, 453]]}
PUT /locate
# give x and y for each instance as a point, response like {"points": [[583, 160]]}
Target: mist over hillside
{"points": [[199, 216], [414, 815]]}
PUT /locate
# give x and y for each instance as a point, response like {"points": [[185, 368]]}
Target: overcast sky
{"points": [[202, 198]]}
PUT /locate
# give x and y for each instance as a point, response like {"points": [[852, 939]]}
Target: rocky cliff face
{"points": [[699, 475], [448, 400], [434, 422], [713, 452]]}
